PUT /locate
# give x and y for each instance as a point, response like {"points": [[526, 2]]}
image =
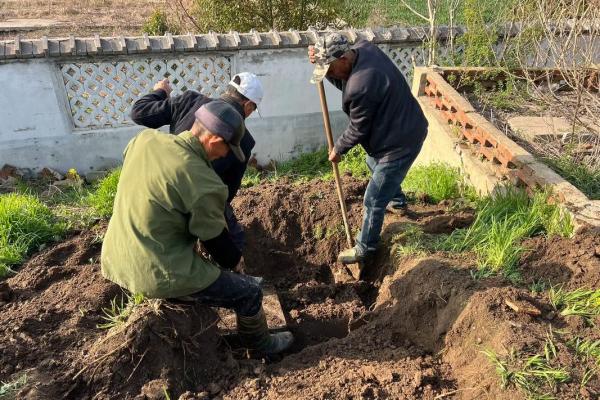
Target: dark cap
{"points": [[221, 119]]}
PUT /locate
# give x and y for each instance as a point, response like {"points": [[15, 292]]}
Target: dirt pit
{"points": [[414, 328]]}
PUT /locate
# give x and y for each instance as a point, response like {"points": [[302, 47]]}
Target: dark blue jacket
{"points": [[157, 109], [385, 118]]}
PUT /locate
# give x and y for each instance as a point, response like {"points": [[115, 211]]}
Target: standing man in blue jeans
{"points": [[385, 119]]}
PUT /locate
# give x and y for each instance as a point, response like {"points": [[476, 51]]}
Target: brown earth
{"points": [[413, 329], [82, 18]]}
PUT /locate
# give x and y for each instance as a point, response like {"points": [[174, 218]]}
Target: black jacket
{"points": [[157, 109], [385, 118]]}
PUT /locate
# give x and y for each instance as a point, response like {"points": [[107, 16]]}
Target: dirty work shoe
{"points": [[350, 256]]}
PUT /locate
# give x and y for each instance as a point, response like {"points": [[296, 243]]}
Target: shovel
{"points": [[354, 269]]}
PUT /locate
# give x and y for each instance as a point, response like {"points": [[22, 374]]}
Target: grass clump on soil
{"points": [[581, 302], [119, 312], [586, 349], [9, 389], [502, 221], [102, 198], [25, 224], [412, 241], [537, 375]]}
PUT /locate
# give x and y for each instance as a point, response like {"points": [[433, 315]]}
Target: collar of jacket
{"points": [[194, 144], [227, 98]]}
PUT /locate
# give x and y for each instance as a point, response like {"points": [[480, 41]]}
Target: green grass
{"points": [[582, 176], [581, 302], [9, 389], [102, 198], [436, 181], [586, 349], [502, 221], [412, 241], [536, 376], [252, 177], [25, 224], [119, 312]]}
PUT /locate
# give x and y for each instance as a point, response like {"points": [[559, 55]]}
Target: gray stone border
{"points": [[72, 46]]}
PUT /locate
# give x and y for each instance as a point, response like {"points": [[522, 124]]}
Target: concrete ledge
{"points": [[460, 136], [119, 45]]}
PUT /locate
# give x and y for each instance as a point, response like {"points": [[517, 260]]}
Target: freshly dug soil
{"points": [[414, 328]]}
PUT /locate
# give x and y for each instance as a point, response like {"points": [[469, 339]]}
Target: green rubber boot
{"points": [[255, 335]]}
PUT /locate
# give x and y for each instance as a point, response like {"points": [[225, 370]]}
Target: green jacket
{"points": [[168, 197]]}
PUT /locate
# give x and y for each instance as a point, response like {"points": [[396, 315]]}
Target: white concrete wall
{"points": [[36, 129]]}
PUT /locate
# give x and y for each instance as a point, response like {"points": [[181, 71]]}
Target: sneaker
{"points": [[350, 256], [399, 209]]}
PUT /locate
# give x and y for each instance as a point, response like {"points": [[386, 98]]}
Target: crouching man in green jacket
{"points": [[168, 198]]}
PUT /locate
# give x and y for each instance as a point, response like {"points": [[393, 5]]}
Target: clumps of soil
{"points": [[414, 328], [573, 262]]}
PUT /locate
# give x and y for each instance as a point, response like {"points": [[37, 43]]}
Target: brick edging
{"points": [[507, 159]]}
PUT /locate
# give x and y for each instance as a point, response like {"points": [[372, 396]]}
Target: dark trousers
{"points": [[241, 293]]}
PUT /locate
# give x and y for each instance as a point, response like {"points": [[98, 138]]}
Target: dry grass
{"points": [[83, 17]]}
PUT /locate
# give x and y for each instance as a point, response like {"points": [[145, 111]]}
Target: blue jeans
{"points": [[236, 232], [384, 187], [241, 293]]}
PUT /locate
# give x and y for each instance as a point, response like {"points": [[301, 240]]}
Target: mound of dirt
{"points": [[571, 262], [414, 328], [50, 330], [295, 231]]}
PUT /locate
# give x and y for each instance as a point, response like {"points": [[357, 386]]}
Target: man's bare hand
{"points": [[164, 85], [334, 157], [311, 54]]}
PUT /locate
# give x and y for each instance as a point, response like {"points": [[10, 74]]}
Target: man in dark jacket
{"points": [[384, 118], [158, 108]]}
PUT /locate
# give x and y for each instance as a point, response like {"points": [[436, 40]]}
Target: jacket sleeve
{"points": [[223, 250], [152, 110], [361, 111]]}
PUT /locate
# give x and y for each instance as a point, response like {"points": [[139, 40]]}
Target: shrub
{"points": [[158, 24]]}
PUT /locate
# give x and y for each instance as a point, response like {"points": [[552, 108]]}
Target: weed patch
{"points": [[581, 302], [412, 241], [436, 181], [502, 221], [25, 224], [120, 311], [537, 375], [102, 198]]}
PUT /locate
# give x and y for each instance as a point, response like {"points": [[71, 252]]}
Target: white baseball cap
{"points": [[249, 86]]}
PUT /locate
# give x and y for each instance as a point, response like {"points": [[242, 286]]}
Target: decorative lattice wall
{"points": [[404, 56], [100, 94]]}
